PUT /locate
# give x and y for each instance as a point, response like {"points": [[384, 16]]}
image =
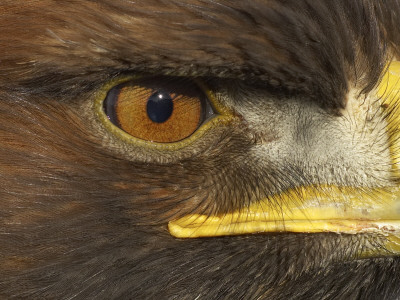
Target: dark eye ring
{"points": [[118, 102], [158, 109]]}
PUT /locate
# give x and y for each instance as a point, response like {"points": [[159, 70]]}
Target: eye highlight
{"points": [[158, 109]]}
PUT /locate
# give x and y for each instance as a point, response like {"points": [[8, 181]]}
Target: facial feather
{"points": [[245, 40]]}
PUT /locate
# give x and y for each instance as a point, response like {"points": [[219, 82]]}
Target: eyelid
{"points": [[222, 117]]}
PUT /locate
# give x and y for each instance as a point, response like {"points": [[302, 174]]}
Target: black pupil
{"points": [[160, 107]]}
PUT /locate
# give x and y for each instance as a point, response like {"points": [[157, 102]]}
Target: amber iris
{"points": [[156, 111]]}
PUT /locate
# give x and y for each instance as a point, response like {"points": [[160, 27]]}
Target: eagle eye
{"points": [[158, 109]]}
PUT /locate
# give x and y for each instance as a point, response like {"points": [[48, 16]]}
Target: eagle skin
{"points": [[83, 215]]}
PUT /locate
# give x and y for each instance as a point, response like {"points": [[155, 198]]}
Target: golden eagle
{"points": [[199, 149]]}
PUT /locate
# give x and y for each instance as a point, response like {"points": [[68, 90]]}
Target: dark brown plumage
{"points": [[84, 215]]}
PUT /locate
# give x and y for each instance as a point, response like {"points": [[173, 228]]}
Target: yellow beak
{"points": [[313, 209]]}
